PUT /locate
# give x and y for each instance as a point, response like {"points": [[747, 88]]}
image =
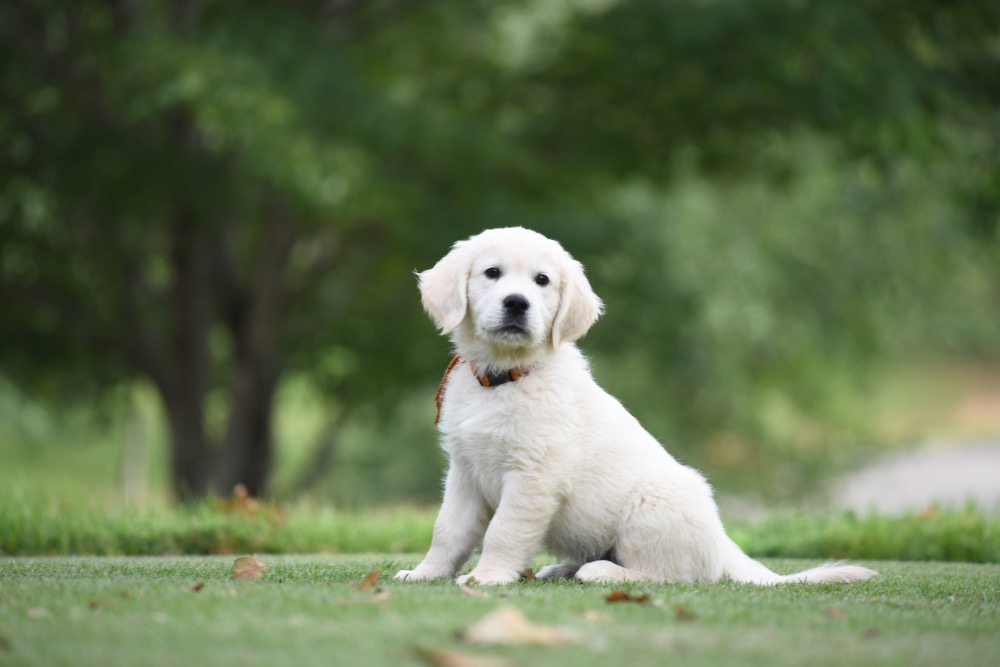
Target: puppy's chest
{"points": [[510, 408], [489, 425], [491, 431]]}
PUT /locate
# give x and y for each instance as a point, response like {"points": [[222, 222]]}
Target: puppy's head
{"points": [[510, 291]]}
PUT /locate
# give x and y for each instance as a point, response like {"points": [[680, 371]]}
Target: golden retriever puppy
{"points": [[541, 456]]}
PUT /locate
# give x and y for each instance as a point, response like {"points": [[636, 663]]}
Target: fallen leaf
{"points": [[528, 574], [472, 592], [682, 613], [240, 502], [509, 626], [94, 605], [451, 658], [248, 568], [835, 612], [366, 583], [623, 596], [381, 595], [594, 616], [197, 587]]}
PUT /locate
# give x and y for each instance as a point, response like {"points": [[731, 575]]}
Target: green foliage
{"points": [[218, 198], [745, 322], [647, 82]]}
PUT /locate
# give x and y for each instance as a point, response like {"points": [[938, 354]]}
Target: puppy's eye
{"points": [[542, 279], [492, 273]]}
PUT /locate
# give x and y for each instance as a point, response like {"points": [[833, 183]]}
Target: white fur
{"points": [[552, 461]]}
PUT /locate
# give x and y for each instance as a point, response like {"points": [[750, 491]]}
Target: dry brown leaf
{"points": [[451, 658], [381, 595], [835, 612], [94, 605], [509, 626], [248, 568], [242, 503], [197, 587], [472, 592], [366, 583], [624, 596], [594, 616], [683, 613], [528, 573]]}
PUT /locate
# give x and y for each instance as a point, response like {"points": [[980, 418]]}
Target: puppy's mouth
{"points": [[511, 330]]}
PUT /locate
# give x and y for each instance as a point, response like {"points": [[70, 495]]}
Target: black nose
{"points": [[516, 304]]}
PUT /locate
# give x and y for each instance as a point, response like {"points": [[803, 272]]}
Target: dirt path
{"points": [[944, 473]]}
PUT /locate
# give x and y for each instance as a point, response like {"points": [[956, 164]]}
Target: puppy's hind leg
{"points": [[606, 572]]}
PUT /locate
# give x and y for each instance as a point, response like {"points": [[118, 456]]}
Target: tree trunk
{"points": [[205, 293], [189, 451], [187, 382], [246, 451]]}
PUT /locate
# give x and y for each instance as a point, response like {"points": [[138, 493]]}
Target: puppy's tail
{"points": [[740, 567]]}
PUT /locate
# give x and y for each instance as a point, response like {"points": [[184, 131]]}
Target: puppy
{"points": [[540, 455]]}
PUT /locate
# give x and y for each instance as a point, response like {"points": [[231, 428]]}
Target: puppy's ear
{"points": [[578, 308], [444, 288]]}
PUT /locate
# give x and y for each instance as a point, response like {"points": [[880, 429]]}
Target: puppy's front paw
{"points": [[487, 578], [423, 572], [416, 575]]}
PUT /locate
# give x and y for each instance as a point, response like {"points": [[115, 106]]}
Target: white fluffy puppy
{"points": [[540, 455]]}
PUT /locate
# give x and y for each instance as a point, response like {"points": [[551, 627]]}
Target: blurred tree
{"points": [[640, 87], [211, 195], [214, 195], [836, 139]]}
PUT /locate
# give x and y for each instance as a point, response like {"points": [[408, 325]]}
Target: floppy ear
{"points": [[444, 288], [578, 308]]}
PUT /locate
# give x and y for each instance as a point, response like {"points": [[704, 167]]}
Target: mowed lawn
{"points": [[310, 610]]}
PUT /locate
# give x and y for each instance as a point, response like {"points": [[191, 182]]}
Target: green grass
{"points": [[30, 526], [145, 611], [33, 527], [943, 534]]}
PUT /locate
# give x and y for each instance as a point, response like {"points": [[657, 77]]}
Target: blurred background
{"points": [[211, 211]]}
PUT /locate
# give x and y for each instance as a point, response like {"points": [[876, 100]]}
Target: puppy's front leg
{"points": [[458, 530], [516, 532]]}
